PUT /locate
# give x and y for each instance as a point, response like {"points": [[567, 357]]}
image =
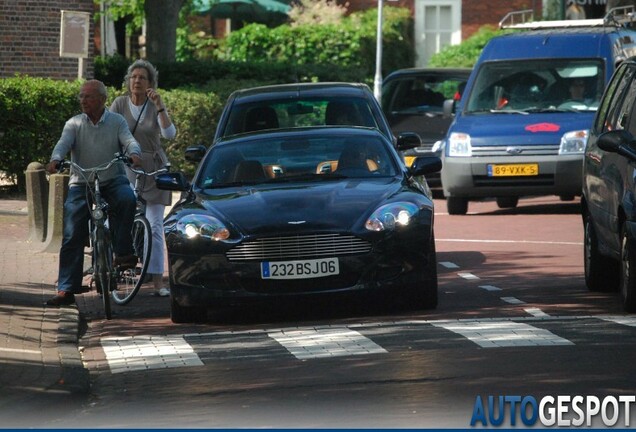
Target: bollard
{"points": [[37, 190], [58, 189]]}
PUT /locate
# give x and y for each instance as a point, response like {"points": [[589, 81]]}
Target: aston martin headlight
{"points": [[390, 216], [199, 225]]}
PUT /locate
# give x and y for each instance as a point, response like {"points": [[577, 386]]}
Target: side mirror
{"points": [[172, 181], [448, 108], [425, 165], [618, 141], [408, 140], [195, 154]]}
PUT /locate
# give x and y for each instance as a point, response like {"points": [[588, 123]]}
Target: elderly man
{"points": [[93, 138]]}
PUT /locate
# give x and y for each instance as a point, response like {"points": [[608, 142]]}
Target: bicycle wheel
{"points": [[104, 280], [130, 280]]}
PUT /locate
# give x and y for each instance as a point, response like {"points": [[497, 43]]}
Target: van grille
{"points": [[297, 247], [539, 150]]}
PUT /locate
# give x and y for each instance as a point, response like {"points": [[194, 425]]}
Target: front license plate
{"points": [[513, 170], [301, 269]]}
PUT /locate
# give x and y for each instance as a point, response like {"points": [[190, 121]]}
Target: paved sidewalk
{"points": [[40, 365]]}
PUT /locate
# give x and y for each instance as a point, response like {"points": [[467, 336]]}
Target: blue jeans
{"points": [[122, 206]]}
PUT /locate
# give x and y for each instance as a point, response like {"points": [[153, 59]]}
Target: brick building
{"points": [[30, 29], [30, 38]]}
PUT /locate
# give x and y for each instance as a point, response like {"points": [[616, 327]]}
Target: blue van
{"points": [[523, 121]]}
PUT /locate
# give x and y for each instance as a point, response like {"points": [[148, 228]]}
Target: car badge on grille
{"points": [[296, 222], [514, 150]]}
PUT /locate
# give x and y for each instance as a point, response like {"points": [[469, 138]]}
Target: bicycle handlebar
{"points": [[103, 167], [155, 172]]}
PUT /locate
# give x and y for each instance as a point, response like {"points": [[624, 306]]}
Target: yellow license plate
{"points": [[513, 170]]}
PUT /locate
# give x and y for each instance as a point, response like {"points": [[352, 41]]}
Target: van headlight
{"points": [[459, 145], [574, 142]]}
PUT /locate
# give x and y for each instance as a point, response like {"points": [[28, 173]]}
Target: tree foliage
{"points": [[306, 12]]}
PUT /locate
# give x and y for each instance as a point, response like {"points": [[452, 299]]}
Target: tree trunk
{"points": [[162, 18]]}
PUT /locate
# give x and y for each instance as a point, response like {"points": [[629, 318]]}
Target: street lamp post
{"points": [[377, 82]]}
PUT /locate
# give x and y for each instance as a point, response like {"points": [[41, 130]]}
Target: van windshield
{"points": [[547, 85]]}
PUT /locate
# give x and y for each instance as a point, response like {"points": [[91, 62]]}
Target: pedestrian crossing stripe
{"points": [[134, 353], [320, 343], [503, 334]]}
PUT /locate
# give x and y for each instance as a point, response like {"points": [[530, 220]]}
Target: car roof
{"points": [[428, 72], [296, 90], [302, 132]]}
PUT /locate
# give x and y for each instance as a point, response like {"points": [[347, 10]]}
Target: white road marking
{"points": [[321, 343], [126, 354], [503, 334], [536, 312], [489, 287], [512, 300], [540, 242], [448, 264], [623, 320], [468, 276]]}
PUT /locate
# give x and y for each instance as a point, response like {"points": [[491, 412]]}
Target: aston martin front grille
{"points": [[298, 247]]}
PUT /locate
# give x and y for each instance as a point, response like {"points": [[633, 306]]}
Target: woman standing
{"points": [[149, 121]]}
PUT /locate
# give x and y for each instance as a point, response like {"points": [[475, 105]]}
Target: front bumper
{"points": [[468, 177], [200, 278]]}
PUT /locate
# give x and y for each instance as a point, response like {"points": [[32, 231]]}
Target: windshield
{"points": [[422, 93], [297, 159], [299, 112], [537, 86]]}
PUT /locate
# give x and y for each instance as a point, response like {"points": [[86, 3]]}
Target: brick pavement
{"points": [[39, 358]]}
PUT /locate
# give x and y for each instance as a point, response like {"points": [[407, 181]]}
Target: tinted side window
{"points": [[614, 113]]}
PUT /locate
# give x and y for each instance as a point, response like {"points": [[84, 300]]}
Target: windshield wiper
{"points": [[511, 111]]}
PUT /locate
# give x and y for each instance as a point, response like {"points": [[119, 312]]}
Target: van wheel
{"points": [[507, 202], [457, 205], [601, 273], [628, 272]]}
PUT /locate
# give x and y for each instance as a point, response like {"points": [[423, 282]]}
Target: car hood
{"points": [[334, 205], [531, 129]]}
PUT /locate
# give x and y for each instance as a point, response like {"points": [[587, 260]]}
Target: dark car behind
{"points": [[413, 100]]}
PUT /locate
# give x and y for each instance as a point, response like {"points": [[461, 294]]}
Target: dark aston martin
{"points": [[299, 212]]}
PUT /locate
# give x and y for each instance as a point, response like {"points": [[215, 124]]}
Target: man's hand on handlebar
{"points": [[53, 167]]}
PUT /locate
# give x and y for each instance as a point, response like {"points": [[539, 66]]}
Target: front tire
{"points": [[628, 272], [457, 205], [601, 273], [507, 202], [104, 269], [424, 294], [186, 314]]}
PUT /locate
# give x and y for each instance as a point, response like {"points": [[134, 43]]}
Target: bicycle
{"points": [[109, 279], [130, 281]]}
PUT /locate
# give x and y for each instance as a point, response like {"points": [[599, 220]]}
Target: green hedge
{"points": [[33, 112]]}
